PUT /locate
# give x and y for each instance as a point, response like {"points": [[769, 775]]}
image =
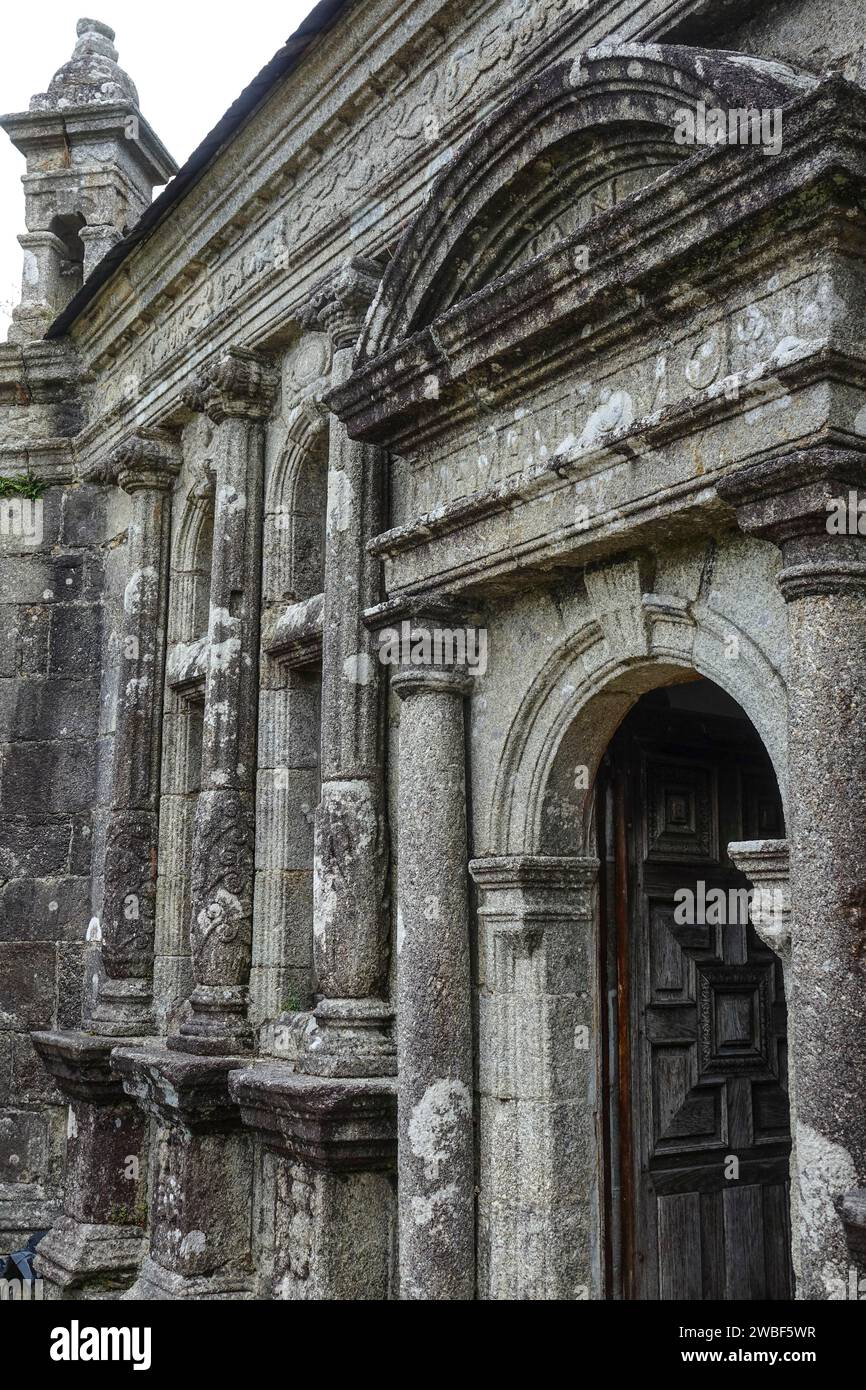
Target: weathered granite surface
{"points": [[450, 331]]}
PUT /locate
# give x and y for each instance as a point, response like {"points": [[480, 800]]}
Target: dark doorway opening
{"points": [[694, 1067]]}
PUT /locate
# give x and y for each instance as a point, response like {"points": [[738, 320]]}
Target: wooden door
{"points": [[698, 1201]]}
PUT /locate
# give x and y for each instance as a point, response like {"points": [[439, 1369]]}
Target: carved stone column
{"points": [[436, 1186], [237, 394], [790, 501], [537, 1064], [350, 927], [95, 1247], [765, 864], [145, 466]]}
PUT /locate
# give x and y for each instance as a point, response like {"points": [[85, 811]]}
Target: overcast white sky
{"points": [[188, 61]]}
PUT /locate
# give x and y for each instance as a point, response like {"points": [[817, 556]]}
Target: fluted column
{"points": [[350, 928], [145, 466], [236, 393], [790, 500], [436, 1182]]}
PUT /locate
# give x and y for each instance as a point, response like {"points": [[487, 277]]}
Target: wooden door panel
{"points": [[707, 1055]]}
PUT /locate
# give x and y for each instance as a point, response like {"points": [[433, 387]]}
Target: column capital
{"points": [[504, 871], [147, 460], [339, 306], [238, 384], [431, 680], [765, 864], [795, 501]]}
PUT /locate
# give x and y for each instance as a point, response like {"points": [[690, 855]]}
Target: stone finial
{"points": [[340, 305], [239, 383], [92, 76]]}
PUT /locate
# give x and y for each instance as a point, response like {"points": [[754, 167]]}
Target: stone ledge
{"points": [[179, 1088], [335, 1125], [80, 1063]]}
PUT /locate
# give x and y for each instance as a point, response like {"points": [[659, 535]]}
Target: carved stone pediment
{"points": [[570, 144]]}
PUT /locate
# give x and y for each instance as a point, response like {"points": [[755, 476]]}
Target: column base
{"points": [[200, 1233], [96, 1245], [124, 1009], [155, 1284], [79, 1260], [218, 1025], [352, 1038]]}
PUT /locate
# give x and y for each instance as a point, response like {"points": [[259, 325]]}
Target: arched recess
{"points": [[182, 727], [288, 778], [608, 116], [295, 505]]}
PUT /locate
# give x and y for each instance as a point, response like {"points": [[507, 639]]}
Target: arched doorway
{"points": [[694, 1066]]}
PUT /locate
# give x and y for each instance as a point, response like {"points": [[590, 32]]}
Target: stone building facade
{"points": [[435, 580]]}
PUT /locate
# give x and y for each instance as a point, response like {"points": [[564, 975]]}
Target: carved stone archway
{"points": [[539, 1033]]}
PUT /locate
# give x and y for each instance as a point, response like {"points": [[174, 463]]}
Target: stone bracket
{"points": [[344, 1125]]}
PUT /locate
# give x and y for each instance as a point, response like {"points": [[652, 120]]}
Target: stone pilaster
{"points": [[95, 1248], [435, 1108], [330, 1155], [350, 931], [766, 865], [790, 500], [201, 1178], [538, 1058], [145, 466], [237, 393]]}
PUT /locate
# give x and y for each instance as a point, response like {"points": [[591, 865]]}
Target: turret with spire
{"points": [[92, 165]]}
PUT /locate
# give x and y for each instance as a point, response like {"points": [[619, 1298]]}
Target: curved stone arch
{"points": [[641, 86], [295, 508], [576, 703]]}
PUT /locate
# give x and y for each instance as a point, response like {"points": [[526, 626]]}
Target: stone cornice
{"points": [[374, 66], [178, 1089], [719, 193], [292, 635], [81, 1065], [643, 436], [30, 130]]}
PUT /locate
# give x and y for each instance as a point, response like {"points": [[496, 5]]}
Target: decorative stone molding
{"points": [[147, 461], [294, 635], [789, 501]]}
